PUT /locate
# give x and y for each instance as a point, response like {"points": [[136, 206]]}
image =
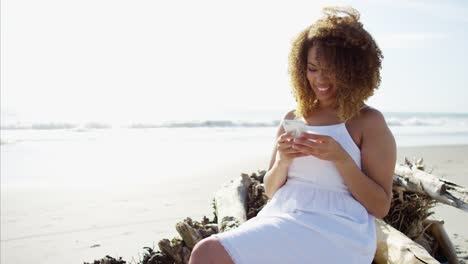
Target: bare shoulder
{"points": [[371, 119], [375, 132]]}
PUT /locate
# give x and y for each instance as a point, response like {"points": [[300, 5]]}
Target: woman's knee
{"points": [[209, 250], [201, 245], [202, 249]]}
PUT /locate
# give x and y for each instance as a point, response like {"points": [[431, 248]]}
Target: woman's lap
{"points": [[284, 239]]}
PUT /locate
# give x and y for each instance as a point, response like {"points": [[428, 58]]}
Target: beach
{"points": [[451, 163], [118, 119], [128, 191], [70, 197]]}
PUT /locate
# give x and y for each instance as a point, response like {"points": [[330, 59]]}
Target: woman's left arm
{"points": [[372, 186]]}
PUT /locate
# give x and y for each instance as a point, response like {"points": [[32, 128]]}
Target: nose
{"points": [[322, 76]]}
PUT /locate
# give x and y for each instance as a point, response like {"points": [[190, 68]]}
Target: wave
{"points": [[97, 125], [392, 120], [416, 121], [41, 126], [208, 123], [56, 125]]}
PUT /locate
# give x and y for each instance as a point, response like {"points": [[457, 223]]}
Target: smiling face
{"points": [[319, 79]]}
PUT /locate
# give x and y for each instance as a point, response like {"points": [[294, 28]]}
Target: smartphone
{"points": [[297, 126]]}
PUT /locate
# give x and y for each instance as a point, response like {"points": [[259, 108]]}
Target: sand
{"points": [[121, 220], [449, 162]]}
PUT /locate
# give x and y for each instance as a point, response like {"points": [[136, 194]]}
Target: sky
{"points": [[113, 60]]}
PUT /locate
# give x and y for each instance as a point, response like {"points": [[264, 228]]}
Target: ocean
{"points": [[409, 129], [48, 153], [67, 186]]}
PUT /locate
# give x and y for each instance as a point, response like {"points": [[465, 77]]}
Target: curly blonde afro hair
{"points": [[350, 54]]}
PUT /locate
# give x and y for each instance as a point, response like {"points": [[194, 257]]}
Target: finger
{"points": [[294, 152], [308, 145], [289, 149], [284, 146], [316, 137], [286, 136], [314, 151], [300, 154], [307, 142], [320, 155], [282, 138], [290, 135], [283, 149]]}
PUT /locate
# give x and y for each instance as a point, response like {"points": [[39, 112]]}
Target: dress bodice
{"points": [[323, 173]]}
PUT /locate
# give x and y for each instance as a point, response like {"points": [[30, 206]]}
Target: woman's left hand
{"points": [[320, 146]]}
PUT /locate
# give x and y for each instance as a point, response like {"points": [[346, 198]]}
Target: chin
{"points": [[325, 97]]}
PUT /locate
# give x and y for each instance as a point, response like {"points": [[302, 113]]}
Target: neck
{"points": [[326, 105]]}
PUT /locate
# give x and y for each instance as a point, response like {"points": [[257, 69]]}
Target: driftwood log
{"points": [[412, 178], [191, 232], [394, 247], [436, 229], [231, 202], [176, 250]]}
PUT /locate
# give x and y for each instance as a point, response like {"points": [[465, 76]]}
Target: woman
{"points": [[328, 185]]}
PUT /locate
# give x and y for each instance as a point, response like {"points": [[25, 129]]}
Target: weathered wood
{"points": [[193, 231], [394, 247], [436, 229], [190, 235], [231, 203], [441, 190], [176, 251]]}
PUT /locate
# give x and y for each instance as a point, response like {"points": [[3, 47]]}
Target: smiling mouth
{"points": [[323, 87]]}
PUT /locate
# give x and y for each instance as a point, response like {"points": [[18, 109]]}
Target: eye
{"points": [[312, 70]]}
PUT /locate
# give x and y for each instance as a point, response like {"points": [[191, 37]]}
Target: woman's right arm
{"points": [[278, 170], [275, 178]]}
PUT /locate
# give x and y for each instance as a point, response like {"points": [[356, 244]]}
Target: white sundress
{"points": [[312, 218]]}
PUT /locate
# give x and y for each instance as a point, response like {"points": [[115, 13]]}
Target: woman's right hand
{"points": [[286, 152]]}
